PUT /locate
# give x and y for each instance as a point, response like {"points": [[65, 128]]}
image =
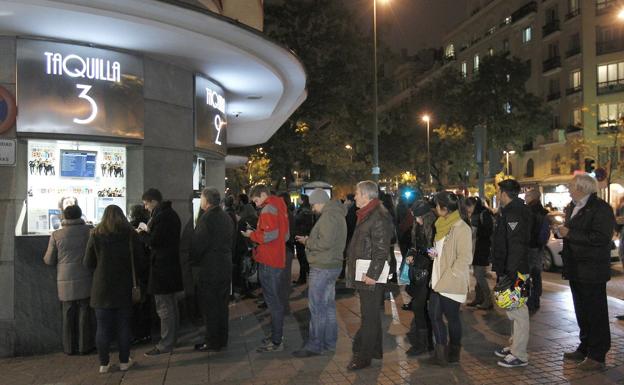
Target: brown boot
{"points": [[453, 353], [439, 356]]}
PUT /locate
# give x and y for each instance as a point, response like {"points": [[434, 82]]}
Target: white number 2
{"points": [[94, 108]]}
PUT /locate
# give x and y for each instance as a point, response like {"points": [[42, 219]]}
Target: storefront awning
{"points": [[264, 82]]}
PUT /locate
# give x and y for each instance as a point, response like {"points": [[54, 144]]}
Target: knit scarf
{"points": [[443, 224], [364, 211]]}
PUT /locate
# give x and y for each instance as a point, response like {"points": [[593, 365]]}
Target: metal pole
{"points": [[375, 128], [429, 156]]}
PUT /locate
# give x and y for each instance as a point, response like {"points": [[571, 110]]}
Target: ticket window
{"points": [[61, 173]]}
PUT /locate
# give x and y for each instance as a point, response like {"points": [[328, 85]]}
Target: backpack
{"points": [[544, 233]]}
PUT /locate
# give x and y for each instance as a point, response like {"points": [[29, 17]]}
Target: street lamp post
{"points": [[375, 170], [427, 119], [507, 153]]}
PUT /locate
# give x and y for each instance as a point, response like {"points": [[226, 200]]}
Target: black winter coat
{"points": [[163, 239], [108, 256], [587, 247], [512, 235], [212, 247], [539, 216], [485, 225]]}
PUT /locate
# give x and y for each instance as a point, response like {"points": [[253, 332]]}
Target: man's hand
{"points": [[563, 231], [368, 281], [301, 239], [246, 233]]}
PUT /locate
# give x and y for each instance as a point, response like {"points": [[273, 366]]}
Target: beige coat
{"points": [[455, 260]]}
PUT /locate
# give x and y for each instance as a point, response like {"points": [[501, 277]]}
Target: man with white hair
{"points": [[587, 234]]}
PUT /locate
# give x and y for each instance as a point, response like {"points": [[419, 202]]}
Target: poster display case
{"points": [[62, 173]]}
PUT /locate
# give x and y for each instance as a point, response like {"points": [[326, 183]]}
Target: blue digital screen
{"points": [[78, 164]]}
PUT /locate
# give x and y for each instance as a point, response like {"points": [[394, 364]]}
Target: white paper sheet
{"points": [[362, 265]]}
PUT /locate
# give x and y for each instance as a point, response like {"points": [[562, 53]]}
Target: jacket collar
{"points": [[72, 222]]}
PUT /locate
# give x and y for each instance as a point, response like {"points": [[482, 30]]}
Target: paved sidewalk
{"points": [[553, 330]]}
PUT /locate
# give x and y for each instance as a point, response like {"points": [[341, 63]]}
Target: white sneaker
{"points": [[123, 367], [105, 368]]}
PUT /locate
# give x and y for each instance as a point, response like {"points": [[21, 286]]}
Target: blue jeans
{"points": [[322, 303], [441, 307], [109, 323], [271, 279]]}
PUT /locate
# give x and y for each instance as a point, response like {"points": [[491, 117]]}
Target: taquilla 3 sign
{"points": [[210, 116], [79, 90]]}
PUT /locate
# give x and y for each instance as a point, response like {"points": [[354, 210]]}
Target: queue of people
{"points": [[118, 267]]}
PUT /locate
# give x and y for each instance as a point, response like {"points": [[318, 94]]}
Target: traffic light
{"points": [[589, 165]]}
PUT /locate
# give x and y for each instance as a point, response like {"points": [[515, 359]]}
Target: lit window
{"points": [[507, 107], [575, 79], [610, 74], [609, 115], [577, 117], [507, 20], [491, 51], [476, 63], [450, 51], [464, 69], [526, 34]]}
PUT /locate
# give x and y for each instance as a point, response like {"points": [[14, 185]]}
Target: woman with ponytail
{"points": [[452, 255]]}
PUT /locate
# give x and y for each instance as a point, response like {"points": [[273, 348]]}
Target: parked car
{"points": [[552, 253]]}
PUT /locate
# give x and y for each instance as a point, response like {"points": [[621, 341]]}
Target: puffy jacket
{"points": [[512, 235], [163, 239], [66, 250], [587, 247], [371, 240], [325, 244], [272, 233], [212, 246]]}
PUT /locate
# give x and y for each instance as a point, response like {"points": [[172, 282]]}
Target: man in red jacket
{"points": [[270, 253]]}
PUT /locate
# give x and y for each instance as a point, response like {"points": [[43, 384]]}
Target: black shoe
{"points": [[416, 351], [262, 305], [575, 355], [357, 364], [620, 317], [406, 307], [154, 352], [206, 348], [304, 353]]}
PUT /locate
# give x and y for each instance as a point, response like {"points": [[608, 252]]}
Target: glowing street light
{"points": [[507, 153], [620, 14]]}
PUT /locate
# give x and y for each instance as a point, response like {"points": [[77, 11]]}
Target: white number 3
{"points": [[94, 109]]}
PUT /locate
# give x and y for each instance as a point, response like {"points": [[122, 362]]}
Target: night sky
{"points": [[413, 24]]}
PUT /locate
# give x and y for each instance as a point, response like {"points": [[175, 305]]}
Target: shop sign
{"points": [[7, 152], [78, 90], [8, 110], [210, 116]]}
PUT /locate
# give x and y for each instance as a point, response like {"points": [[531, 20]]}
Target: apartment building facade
{"points": [[575, 50]]}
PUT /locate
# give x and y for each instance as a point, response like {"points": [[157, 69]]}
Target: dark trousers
{"points": [[77, 330], [215, 298], [535, 267], [421, 320], [304, 266], [441, 307], [142, 319], [109, 323], [592, 316], [367, 342]]}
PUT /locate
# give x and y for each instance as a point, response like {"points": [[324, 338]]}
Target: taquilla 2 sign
{"points": [[210, 116], [78, 90]]}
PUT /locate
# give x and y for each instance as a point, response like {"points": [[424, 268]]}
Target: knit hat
{"points": [[318, 196], [420, 208]]}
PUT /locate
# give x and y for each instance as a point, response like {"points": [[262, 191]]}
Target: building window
{"points": [[526, 34], [507, 107], [491, 51], [556, 122], [575, 83], [450, 51], [609, 116], [603, 5], [475, 63], [574, 45], [507, 20], [555, 165], [506, 45], [464, 69], [610, 77], [577, 117], [573, 7], [530, 169]]}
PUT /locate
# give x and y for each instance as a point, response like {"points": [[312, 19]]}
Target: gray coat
{"points": [[66, 249]]}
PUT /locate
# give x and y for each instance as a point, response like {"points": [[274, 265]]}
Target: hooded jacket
{"points": [[325, 244]]}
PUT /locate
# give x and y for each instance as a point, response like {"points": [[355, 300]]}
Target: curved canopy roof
{"points": [[264, 82]]}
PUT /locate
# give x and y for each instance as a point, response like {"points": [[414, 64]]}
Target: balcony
{"points": [[605, 7], [575, 50], [573, 90], [551, 27], [551, 63], [572, 14], [610, 87], [525, 10], [554, 95], [608, 46]]}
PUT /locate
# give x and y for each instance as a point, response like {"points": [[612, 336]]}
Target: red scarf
{"points": [[366, 210]]}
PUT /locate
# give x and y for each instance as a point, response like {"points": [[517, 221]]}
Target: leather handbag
{"points": [[137, 296]]}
